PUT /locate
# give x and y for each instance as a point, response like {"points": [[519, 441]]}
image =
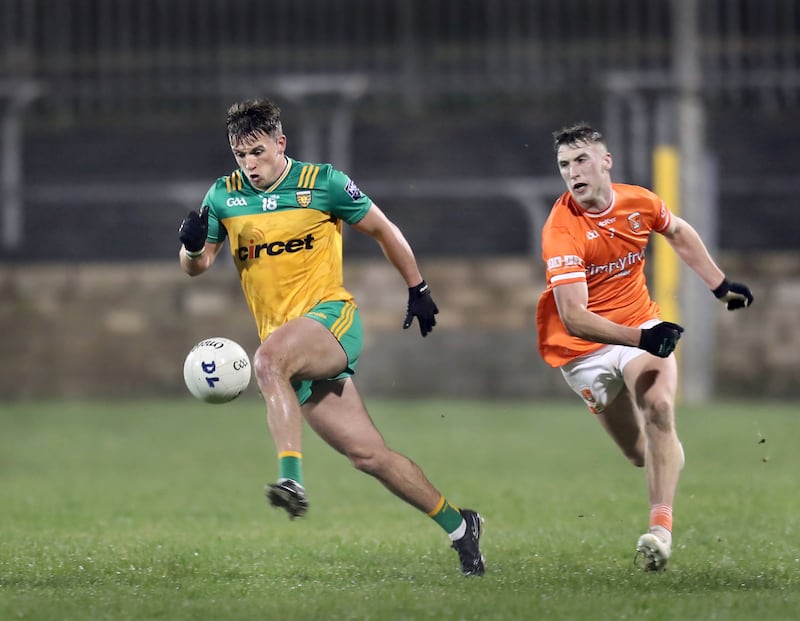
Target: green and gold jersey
{"points": [[286, 241]]}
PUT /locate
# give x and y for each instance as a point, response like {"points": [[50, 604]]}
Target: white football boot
{"points": [[654, 550]]}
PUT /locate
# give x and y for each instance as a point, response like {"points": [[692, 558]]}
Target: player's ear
{"points": [[608, 162]]}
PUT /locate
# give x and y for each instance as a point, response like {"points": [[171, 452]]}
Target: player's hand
{"points": [[734, 294], [194, 229], [421, 306], [661, 339]]}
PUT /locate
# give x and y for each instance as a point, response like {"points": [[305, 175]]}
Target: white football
{"points": [[217, 370]]}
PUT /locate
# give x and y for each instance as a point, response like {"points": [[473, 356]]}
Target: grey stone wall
{"points": [[122, 330]]}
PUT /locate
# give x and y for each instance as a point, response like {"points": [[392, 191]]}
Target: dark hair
{"points": [[247, 119], [580, 133]]}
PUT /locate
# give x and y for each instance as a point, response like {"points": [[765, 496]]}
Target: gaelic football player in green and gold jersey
{"points": [[283, 222]]}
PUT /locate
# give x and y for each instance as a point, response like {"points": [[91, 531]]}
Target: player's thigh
{"points": [[336, 412], [302, 349], [596, 377], [652, 381]]}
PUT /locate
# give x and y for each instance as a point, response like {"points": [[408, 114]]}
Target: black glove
{"points": [[421, 306], [734, 294], [194, 229], [661, 339]]}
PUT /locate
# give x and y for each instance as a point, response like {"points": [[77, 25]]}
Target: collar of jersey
{"points": [[275, 184], [605, 212]]}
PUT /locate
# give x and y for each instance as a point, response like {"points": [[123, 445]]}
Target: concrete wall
{"points": [[121, 330]]}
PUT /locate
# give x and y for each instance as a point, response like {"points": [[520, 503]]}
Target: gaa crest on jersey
{"points": [[303, 197], [634, 222], [352, 189]]}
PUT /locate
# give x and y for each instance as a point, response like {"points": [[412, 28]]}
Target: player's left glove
{"points": [[421, 306], [194, 230], [662, 339], [734, 294]]}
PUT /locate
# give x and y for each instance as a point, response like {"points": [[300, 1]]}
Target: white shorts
{"points": [[597, 377]]}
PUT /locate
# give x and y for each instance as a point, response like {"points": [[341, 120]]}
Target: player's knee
{"points": [[368, 459], [635, 454], [636, 460], [268, 364], [264, 365], [660, 412], [365, 461]]}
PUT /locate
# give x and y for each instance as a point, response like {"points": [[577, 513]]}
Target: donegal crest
{"points": [[303, 197]]}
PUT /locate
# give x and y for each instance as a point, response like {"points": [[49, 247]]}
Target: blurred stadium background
{"points": [[112, 116]]}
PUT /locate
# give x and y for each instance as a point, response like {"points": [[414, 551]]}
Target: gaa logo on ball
{"points": [[217, 370]]}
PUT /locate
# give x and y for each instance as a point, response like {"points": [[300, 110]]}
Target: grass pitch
{"points": [[154, 510]]}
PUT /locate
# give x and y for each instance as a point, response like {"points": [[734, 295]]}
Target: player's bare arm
{"points": [[398, 251], [198, 265], [689, 246], [572, 300], [392, 242]]}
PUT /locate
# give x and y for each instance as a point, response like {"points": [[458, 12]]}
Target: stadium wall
{"points": [[122, 330]]}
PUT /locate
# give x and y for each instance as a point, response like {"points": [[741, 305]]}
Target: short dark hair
{"points": [[577, 134], [246, 119]]}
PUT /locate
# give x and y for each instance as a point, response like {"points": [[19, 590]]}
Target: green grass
{"points": [[154, 510]]}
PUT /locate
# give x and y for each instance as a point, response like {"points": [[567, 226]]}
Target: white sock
{"points": [[662, 533], [459, 532]]}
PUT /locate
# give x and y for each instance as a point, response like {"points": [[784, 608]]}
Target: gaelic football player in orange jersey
{"points": [[597, 323]]}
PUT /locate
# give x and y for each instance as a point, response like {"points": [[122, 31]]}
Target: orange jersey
{"points": [[607, 251]]}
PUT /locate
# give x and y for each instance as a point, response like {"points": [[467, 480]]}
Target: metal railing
{"points": [[112, 57]]}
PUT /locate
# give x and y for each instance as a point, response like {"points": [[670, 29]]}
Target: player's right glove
{"points": [[661, 339], [734, 294], [194, 229], [421, 306]]}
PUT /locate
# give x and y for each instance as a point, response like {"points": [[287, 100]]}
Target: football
{"points": [[217, 370]]}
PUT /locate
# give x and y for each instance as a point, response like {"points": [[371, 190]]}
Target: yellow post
{"points": [[666, 272]]}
